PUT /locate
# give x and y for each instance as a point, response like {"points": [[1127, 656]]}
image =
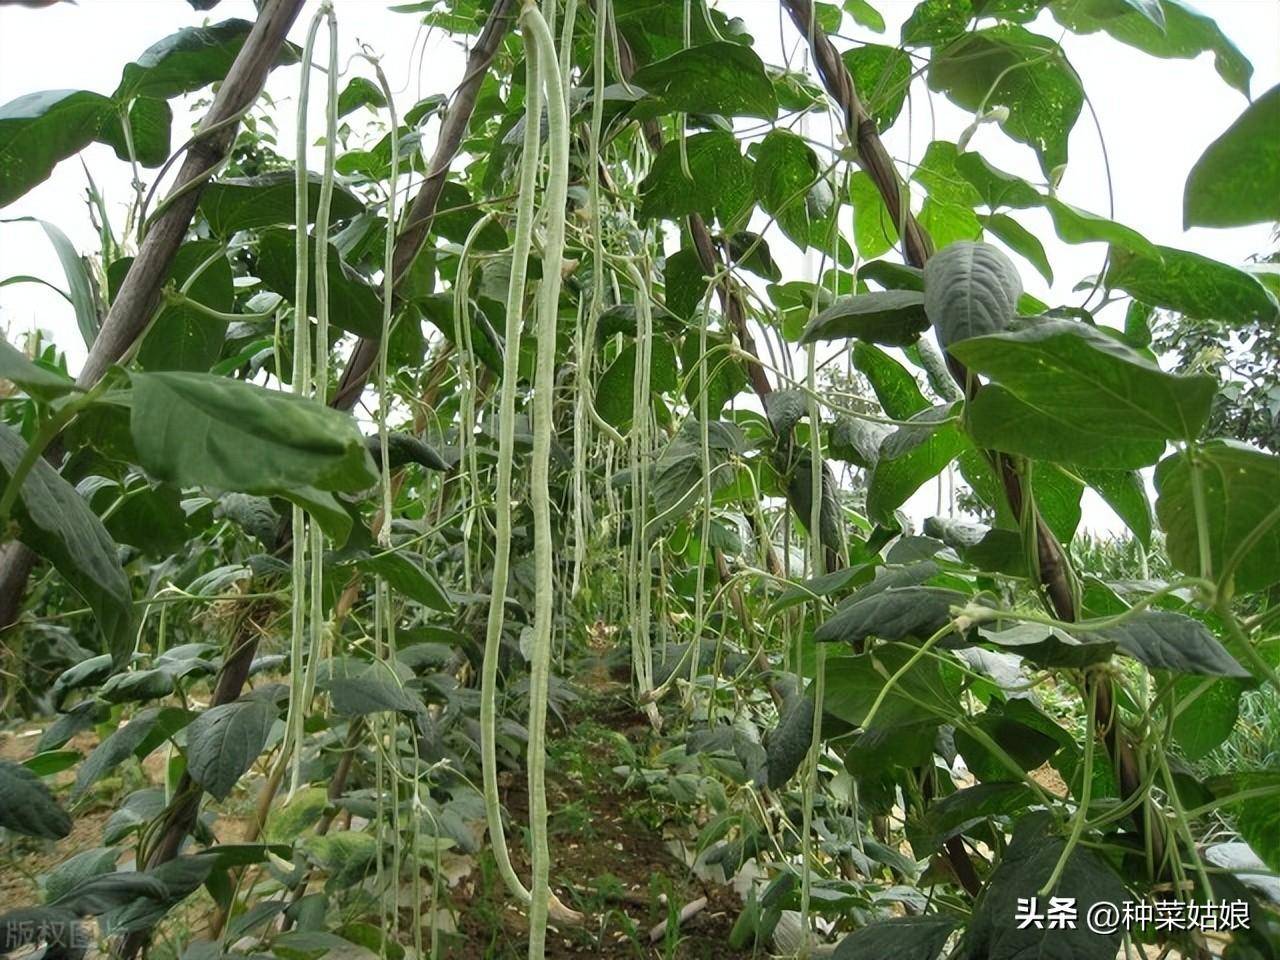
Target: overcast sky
{"points": [[1156, 116]]}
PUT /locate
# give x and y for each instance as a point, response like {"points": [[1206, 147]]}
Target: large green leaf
{"points": [[1193, 285], [1239, 487], [881, 75], [893, 614], [35, 380], [896, 389], [183, 337], [355, 304], [1166, 640], [192, 58], [56, 523], [370, 692], [1126, 494], [80, 283], [1027, 864], [786, 167], [957, 812], [407, 575], [224, 741], [137, 738], [1073, 225], [1067, 392], [970, 289], [721, 77], [27, 806], [150, 125], [1200, 727], [911, 456], [903, 938], [873, 226], [614, 391], [39, 129], [892, 317], [855, 683], [245, 203], [1184, 33], [1236, 181], [721, 184], [1009, 66], [201, 430], [1020, 240]]}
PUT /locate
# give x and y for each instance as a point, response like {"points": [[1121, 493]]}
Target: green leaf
{"points": [[1239, 485], [1185, 34], [360, 92], [1020, 240], [855, 683], [725, 377], [934, 22], [224, 741], [721, 184], [909, 457], [201, 430], [1073, 225], [1165, 640], [1026, 734], [1236, 181], [893, 614], [1046, 647], [954, 814], [79, 279], [1068, 393], [183, 337], [864, 15], [788, 743], [881, 75], [903, 938], [26, 805], [892, 317], [77, 868], [970, 289], [896, 389], [150, 125], [614, 391], [36, 380], [370, 692], [38, 130], [1009, 66], [56, 523], [873, 227], [1201, 727], [1193, 285], [407, 575], [721, 77], [355, 305], [185, 61], [1259, 824], [1027, 864], [146, 731], [684, 282], [246, 203], [786, 167], [1126, 494]]}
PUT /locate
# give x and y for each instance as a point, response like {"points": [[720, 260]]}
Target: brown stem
{"points": [[1054, 572]]}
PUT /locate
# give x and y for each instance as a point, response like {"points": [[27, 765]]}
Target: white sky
{"points": [[1157, 117]]}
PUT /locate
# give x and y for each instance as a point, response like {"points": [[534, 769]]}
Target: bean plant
{"points": [[369, 452]]}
